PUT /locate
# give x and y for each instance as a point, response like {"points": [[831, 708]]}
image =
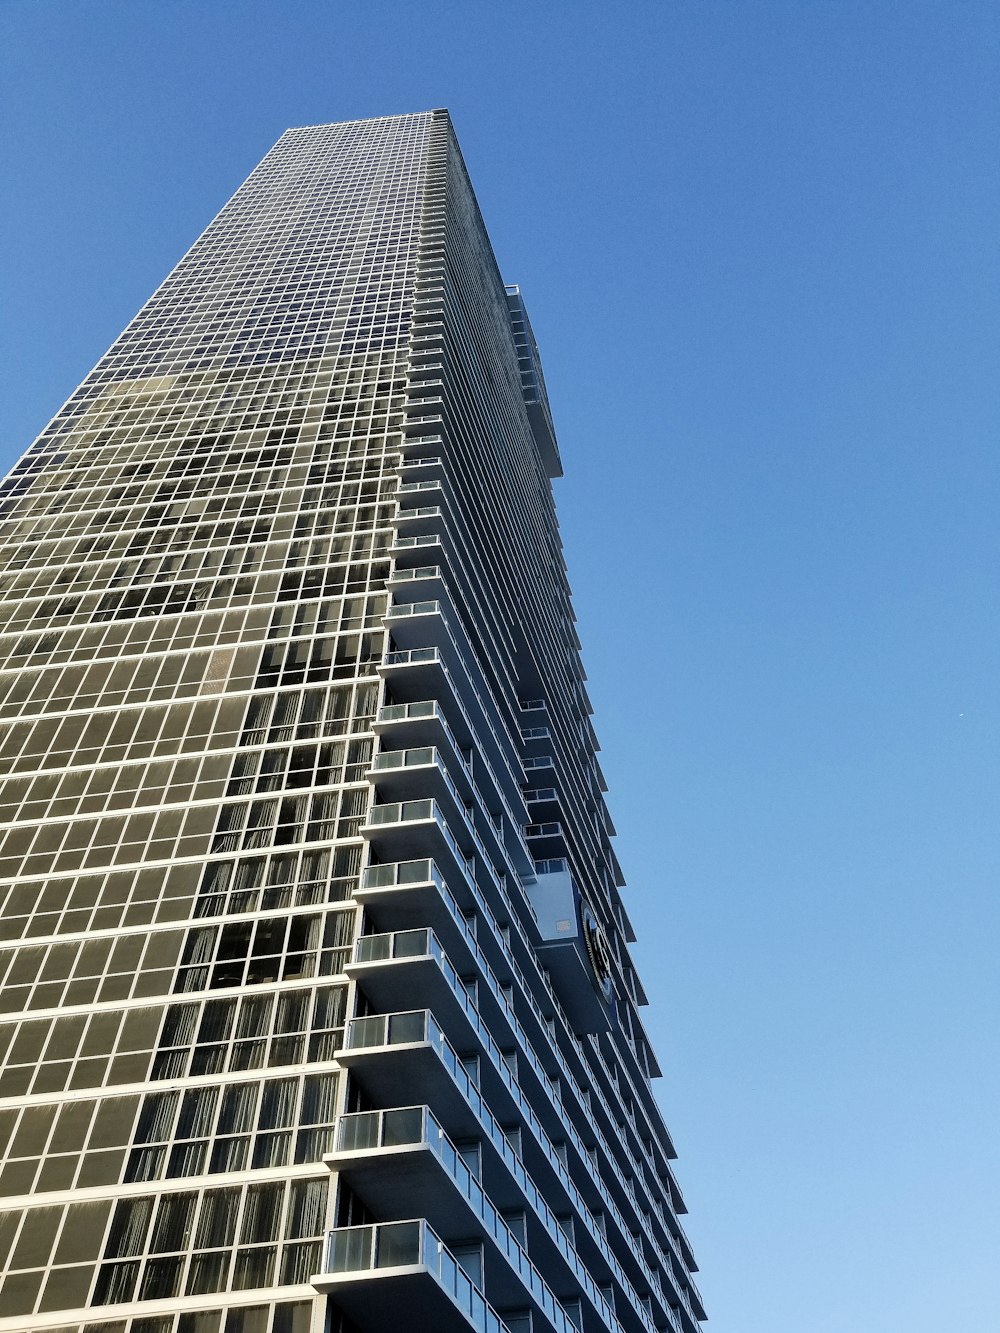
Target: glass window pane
{"points": [[262, 1213], [173, 1223], [217, 1219]]}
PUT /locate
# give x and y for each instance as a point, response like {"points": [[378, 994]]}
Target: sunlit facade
{"points": [[317, 1008]]}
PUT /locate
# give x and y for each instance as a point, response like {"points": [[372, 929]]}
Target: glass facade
{"points": [[316, 1007]]}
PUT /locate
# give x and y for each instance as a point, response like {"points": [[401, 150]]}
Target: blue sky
{"points": [[758, 242]]}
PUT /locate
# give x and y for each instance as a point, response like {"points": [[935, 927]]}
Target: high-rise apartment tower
{"points": [[317, 1009]]}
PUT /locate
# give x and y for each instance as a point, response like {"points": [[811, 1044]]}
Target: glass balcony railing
{"points": [[421, 708], [421, 943], [430, 460], [365, 1131], [540, 794], [404, 1029], [412, 656], [409, 543], [387, 760], [413, 487], [388, 1245], [401, 812], [417, 573], [401, 872], [425, 419], [550, 830], [408, 1244], [403, 609]]}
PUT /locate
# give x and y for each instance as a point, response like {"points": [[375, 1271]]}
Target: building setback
{"points": [[317, 1008]]}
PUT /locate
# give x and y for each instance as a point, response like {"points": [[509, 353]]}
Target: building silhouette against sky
{"points": [[317, 1008]]}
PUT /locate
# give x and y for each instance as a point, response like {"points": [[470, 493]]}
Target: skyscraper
{"points": [[317, 1008]]}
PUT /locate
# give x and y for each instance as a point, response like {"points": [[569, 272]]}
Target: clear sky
{"points": [[758, 241]]}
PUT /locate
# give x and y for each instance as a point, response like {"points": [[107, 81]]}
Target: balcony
{"points": [[427, 340], [391, 1159], [403, 547], [374, 1273], [423, 722], [537, 741], [546, 840], [410, 894], [394, 967], [425, 770], [418, 490], [415, 584], [398, 1059], [415, 447], [420, 521], [419, 624], [371, 1153], [415, 424], [542, 803], [541, 766], [425, 468]]}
